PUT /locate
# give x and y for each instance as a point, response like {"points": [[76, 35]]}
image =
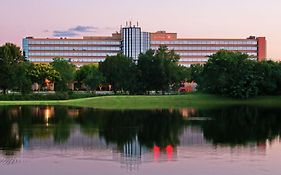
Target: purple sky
{"points": [[189, 18]]}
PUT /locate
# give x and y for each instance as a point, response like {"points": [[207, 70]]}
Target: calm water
{"points": [[60, 140]]}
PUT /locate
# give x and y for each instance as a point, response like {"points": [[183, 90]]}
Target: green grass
{"points": [[196, 100]]}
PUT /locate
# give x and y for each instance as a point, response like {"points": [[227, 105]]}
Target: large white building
{"points": [[131, 41]]}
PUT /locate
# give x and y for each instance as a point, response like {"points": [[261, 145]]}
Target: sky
{"points": [[189, 18]]}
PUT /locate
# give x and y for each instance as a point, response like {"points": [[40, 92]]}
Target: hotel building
{"points": [[196, 51], [131, 41]]}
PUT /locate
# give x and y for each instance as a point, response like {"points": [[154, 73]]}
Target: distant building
{"points": [[131, 41]]}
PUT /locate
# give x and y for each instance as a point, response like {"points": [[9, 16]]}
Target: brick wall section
{"points": [[163, 36], [261, 48]]}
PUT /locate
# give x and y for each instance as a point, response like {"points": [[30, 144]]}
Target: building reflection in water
{"points": [[15, 111], [185, 112], [48, 113], [131, 154], [73, 112], [134, 154], [168, 153]]}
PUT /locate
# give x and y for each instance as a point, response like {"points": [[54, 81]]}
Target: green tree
{"points": [[120, 71], [171, 68], [151, 71], [196, 70], [231, 74], [94, 78], [39, 73], [159, 69], [82, 73], [270, 77], [90, 76], [184, 73], [23, 79], [10, 58], [66, 71]]}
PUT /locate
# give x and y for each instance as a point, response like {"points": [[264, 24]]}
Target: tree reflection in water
{"points": [[158, 127], [136, 132], [241, 125]]}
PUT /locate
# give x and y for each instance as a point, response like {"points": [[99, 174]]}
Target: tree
{"points": [[150, 71], [22, 77], [82, 73], [39, 73], [66, 71], [120, 71], [159, 69], [10, 58], [196, 70], [269, 74], [171, 68], [93, 77], [231, 74], [184, 73]]}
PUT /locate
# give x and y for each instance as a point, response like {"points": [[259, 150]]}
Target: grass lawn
{"points": [[197, 100]]}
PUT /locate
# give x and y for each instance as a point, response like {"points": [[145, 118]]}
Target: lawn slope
{"points": [[197, 100]]}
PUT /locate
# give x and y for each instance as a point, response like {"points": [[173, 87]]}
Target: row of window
{"points": [[134, 54], [211, 48], [64, 54], [223, 42], [96, 60], [73, 42], [201, 59], [93, 60], [155, 48], [102, 59], [204, 53], [77, 48]]}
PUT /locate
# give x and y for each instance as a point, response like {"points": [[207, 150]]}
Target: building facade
{"points": [[196, 51], [131, 41], [134, 41], [79, 51]]}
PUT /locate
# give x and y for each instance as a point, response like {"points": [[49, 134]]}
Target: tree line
{"points": [[226, 73], [155, 70]]}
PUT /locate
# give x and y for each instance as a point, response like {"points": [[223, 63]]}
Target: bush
{"points": [[45, 96]]}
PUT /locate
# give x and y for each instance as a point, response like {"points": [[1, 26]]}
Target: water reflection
{"points": [[134, 137], [241, 125]]}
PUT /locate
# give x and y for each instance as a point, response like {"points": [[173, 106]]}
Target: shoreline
{"points": [[193, 100]]}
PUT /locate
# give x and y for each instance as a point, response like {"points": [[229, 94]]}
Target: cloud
{"points": [[75, 31], [79, 30], [84, 29], [67, 33]]}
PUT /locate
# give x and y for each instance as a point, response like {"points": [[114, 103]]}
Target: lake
{"points": [[50, 140]]}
